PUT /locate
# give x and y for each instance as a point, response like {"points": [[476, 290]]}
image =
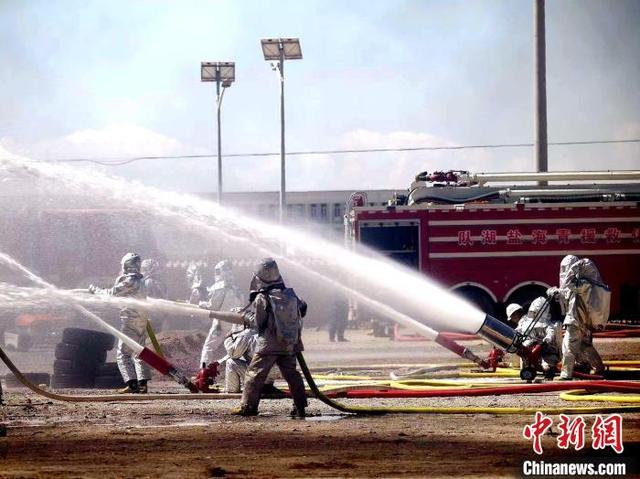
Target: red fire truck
{"points": [[496, 245]]}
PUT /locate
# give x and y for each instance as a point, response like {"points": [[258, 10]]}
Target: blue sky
{"points": [[121, 78]]}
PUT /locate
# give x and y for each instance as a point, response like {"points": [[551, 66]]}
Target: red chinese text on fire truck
{"points": [[496, 245]]}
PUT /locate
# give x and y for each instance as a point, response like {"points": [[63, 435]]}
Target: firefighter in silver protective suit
{"points": [[195, 281], [276, 313], [153, 285], [223, 296], [543, 330], [129, 283], [240, 345], [576, 295]]}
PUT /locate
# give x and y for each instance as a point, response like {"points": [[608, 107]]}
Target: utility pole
{"points": [[540, 87], [283, 171]]}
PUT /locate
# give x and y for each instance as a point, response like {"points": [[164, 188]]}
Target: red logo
{"points": [[536, 430], [607, 432], [571, 432], [604, 432]]}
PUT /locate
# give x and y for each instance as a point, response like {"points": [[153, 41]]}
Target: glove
{"points": [[552, 292], [92, 289]]}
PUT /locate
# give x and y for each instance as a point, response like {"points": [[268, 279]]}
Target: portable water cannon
{"points": [[508, 339], [206, 378]]}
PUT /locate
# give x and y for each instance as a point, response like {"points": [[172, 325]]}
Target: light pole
{"points": [[540, 87], [223, 73], [277, 50]]}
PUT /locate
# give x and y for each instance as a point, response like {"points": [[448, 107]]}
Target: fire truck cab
{"points": [[496, 245]]}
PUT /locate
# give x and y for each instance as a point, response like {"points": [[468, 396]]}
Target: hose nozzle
{"points": [[500, 335]]}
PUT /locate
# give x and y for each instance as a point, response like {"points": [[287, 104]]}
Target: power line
{"points": [[119, 161]]}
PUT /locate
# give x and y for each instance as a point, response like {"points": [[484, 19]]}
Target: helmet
{"points": [[131, 263], [266, 275], [149, 267], [194, 276], [222, 270], [565, 266], [512, 308], [268, 271], [539, 307]]}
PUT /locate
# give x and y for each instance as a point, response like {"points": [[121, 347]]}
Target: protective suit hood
{"points": [[266, 277], [540, 308], [194, 276], [149, 267], [223, 272], [566, 266], [131, 263]]}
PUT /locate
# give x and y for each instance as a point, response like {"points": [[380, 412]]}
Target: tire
{"points": [[73, 352], [88, 338], [66, 366], [108, 369], [71, 381], [109, 382], [36, 378]]}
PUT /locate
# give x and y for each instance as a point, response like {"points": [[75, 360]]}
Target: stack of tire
{"points": [[81, 361]]}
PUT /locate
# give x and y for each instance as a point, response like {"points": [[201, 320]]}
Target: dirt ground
{"points": [[200, 439]]}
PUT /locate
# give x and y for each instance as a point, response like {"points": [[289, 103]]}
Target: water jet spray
{"points": [[145, 354]]}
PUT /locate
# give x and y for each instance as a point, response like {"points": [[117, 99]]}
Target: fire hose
{"points": [[436, 392], [375, 410]]}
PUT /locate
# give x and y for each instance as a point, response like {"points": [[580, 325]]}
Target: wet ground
{"points": [[200, 439]]}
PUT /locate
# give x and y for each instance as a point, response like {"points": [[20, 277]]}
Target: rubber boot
{"points": [[142, 386], [244, 411], [130, 388], [298, 412]]}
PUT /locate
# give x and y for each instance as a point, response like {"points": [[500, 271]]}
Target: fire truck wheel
{"points": [[528, 374], [69, 381], [107, 369], [73, 352], [88, 337], [109, 382], [36, 378], [66, 366]]}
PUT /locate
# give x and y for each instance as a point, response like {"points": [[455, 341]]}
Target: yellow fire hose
{"points": [[572, 396], [154, 340], [581, 395]]}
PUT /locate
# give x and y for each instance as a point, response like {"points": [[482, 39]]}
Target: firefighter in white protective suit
{"points": [[584, 300], [240, 345], [223, 296], [130, 283], [541, 329]]}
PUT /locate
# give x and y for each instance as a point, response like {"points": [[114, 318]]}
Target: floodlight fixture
{"points": [[281, 48], [276, 51], [224, 72]]}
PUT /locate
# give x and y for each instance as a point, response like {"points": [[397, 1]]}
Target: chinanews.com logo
{"points": [[606, 432]]}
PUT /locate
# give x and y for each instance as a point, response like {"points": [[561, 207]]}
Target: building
{"points": [[322, 207]]}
